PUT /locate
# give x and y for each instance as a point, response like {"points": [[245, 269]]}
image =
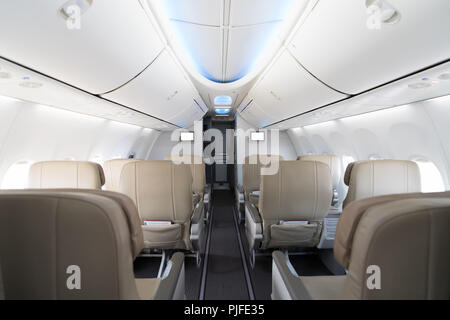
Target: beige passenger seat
{"points": [[334, 163], [292, 205], [370, 178], [251, 180], [113, 170], [76, 244], [393, 246], [66, 174], [331, 220], [200, 189], [162, 192]]}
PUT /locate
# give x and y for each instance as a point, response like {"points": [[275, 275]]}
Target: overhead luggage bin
{"points": [[288, 89], [114, 42], [342, 45], [161, 90]]}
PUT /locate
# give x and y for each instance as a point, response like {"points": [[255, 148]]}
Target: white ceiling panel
{"points": [[339, 45], [287, 90], [245, 47], [425, 85], [203, 46], [161, 90], [20, 83], [251, 12], [115, 41], [255, 115], [207, 12]]}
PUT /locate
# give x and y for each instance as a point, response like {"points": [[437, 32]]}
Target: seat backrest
{"points": [[403, 239], [372, 178], [57, 244], [160, 189], [198, 171], [66, 174], [113, 169], [300, 190], [333, 161], [251, 171]]}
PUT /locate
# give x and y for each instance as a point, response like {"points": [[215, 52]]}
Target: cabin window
{"points": [[430, 176], [97, 159], [346, 160], [16, 176]]}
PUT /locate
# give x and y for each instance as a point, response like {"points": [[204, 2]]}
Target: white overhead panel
{"points": [[161, 90], [223, 39], [255, 115], [205, 12], [204, 45], [250, 12], [110, 43], [20, 83], [432, 83], [287, 90], [245, 46], [354, 46]]}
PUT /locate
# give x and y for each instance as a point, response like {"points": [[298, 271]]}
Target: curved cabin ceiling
{"points": [[225, 39], [162, 63]]}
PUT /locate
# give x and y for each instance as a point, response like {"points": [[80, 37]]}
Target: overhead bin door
{"points": [[340, 45], [161, 91], [114, 42], [253, 114], [288, 89]]}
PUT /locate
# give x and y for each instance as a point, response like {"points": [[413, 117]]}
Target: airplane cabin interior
{"points": [[231, 150]]}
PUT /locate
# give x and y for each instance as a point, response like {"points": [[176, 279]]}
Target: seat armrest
{"points": [[253, 226], [286, 284], [207, 193], [197, 227], [253, 212], [197, 214], [172, 285], [240, 196]]}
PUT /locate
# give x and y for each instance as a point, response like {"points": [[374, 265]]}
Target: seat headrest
{"points": [[352, 214], [299, 190], [372, 178], [161, 190], [333, 161], [66, 174], [251, 170], [405, 238], [198, 172], [262, 158], [47, 236], [186, 159], [129, 209], [113, 169]]}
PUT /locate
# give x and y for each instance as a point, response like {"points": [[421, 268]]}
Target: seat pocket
{"points": [[297, 235], [162, 236]]}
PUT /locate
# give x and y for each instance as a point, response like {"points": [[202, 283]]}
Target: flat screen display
{"points": [[257, 136], [187, 136]]}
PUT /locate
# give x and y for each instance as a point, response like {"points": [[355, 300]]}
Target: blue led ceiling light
{"points": [[223, 101], [190, 31], [222, 111]]}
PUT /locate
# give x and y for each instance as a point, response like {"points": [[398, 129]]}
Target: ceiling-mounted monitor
{"points": [[187, 136], [257, 136]]}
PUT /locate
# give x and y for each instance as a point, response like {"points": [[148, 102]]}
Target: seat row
{"points": [[65, 223], [298, 207]]}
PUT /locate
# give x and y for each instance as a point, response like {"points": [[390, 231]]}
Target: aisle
{"points": [[225, 277]]}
